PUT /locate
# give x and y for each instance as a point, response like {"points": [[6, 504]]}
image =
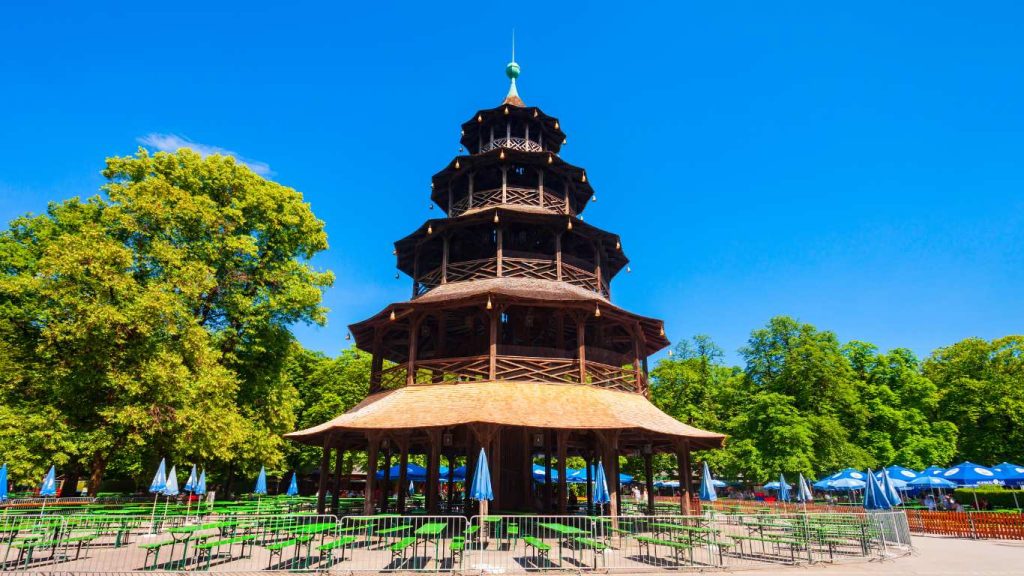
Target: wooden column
{"points": [[547, 472], [638, 370], [590, 483], [685, 476], [325, 462], [414, 331], [597, 267], [504, 184], [581, 345], [444, 260], [433, 472], [649, 480], [403, 472], [558, 256], [500, 250], [492, 371], [565, 190], [610, 455], [494, 460], [372, 450], [526, 480], [339, 466], [450, 198], [540, 187], [469, 199], [562, 437], [385, 489], [451, 480]]}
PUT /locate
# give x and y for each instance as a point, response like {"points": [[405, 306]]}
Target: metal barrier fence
{"points": [[244, 543]]}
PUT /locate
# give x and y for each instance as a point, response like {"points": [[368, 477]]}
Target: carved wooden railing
{"points": [[513, 195], [514, 143], [485, 268], [550, 369]]}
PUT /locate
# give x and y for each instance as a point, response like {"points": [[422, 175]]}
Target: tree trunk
{"points": [[68, 490], [96, 470]]}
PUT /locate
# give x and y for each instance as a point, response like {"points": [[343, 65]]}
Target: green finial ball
{"points": [[512, 70]]}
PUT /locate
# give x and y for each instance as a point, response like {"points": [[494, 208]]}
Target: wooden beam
{"points": [[433, 464], [325, 461], [339, 465], [685, 476]]}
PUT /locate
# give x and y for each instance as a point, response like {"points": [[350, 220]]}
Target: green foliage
{"points": [[154, 320], [997, 496], [804, 403]]}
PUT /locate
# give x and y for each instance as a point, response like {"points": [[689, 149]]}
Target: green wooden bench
{"points": [[591, 544], [457, 546], [277, 549], [540, 548], [677, 548], [400, 548], [153, 549], [208, 547], [390, 532], [339, 544]]}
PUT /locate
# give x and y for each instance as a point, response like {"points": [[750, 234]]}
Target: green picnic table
{"points": [[431, 531], [563, 531], [184, 534]]}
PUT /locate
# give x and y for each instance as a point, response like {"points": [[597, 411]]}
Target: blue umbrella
{"points": [[707, 485], [160, 479], [190, 484], [171, 487], [900, 473], [874, 495], [601, 494], [803, 492], [845, 484], [481, 489], [413, 472], [774, 486], [1009, 473], [932, 471], [890, 490], [201, 484], [49, 487], [3, 483], [293, 488], [931, 482], [261, 483], [969, 474], [783, 489]]}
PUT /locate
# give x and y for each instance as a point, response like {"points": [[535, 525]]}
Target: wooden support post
{"points": [[504, 184], [589, 459], [414, 331], [547, 472], [385, 489], [610, 454], [526, 481], [325, 461], [492, 371], [433, 472], [685, 476], [558, 256], [581, 344], [500, 252], [372, 452], [339, 466], [638, 370], [494, 459], [469, 199], [562, 437], [444, 260], [649, 480], [540, 187], [403, 472], [451, 481]]}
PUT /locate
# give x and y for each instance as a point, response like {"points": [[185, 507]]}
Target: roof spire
{"points": [[512, 71]]}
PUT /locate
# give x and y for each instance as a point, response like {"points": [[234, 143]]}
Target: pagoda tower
{"points": [[510, 341]]}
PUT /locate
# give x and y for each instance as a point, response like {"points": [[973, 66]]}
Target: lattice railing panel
{"points": [[557, 370], [607, 376], [473, 269], [391, 378], [579, 277], [514, 143], [529, 268], [513, 195], [468, 369]]}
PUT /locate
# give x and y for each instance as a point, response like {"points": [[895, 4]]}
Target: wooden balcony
{"points": [[511, 267], [493, 197], [508, 367]]}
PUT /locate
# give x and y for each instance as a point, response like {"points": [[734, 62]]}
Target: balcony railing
{"points": [[521, 144], [548, 369], [513, 196], [485, 268]]}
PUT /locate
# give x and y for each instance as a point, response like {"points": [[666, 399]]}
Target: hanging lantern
{"points": [[431, 184], [551, 158], [496, 219], [584, 177], [597, 311], [670, 353], [457, 166], [569, 227], [430, 207], [594, 197], [430, 229], [565, 141], [501, 155], [618, 245], [397, 276], [392, 316], [446, 439], [661, 331], [506, 110], [534, 112], [462, 132], [479, 117], [348, 336], [628, 269], [394, 252], [556, 124], [489, 305]]}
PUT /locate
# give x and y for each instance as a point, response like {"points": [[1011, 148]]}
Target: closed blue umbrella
{"points": [[293, 488], [481, 490], [707, 485], [49, 487], [874, 495], [783, 489], [159, 479], [201, 484], [261, 483], [171, 487], [803, 492], [190, 484], [890, 490], [3, 483], [601, 494]]}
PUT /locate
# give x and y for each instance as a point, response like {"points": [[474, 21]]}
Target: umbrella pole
{"points": [[1015, 504], [188, 507], [152, 515], [43, 509]]}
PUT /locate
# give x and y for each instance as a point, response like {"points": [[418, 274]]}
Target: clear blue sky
{"points": [[859, 168]]}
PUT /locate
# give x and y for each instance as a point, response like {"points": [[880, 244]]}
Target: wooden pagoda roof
{"points": [[614, 257], [580, 195], [553, 135], [527, 404], [515, 290]]}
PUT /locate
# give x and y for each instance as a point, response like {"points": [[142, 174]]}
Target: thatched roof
{"points": [[526, 404]]}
